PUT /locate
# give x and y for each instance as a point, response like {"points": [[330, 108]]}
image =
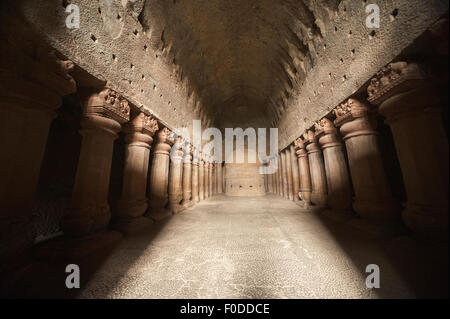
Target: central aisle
{"points": [[261, 247]]}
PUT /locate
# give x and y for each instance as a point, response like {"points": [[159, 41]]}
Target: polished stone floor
{"points": [[264, 247], [260, 247]]}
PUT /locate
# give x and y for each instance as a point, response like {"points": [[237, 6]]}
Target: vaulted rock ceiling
{"points": [[242, 58]]}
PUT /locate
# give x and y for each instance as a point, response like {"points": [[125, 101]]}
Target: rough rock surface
{"points": [[233, 63]]}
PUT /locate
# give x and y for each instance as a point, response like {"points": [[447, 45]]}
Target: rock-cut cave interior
{"points": [[344, 104]]}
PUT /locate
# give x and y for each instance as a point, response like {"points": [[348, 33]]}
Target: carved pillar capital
{"points": [[188, 150], [327, 133], [355, 118], [34, 77], [109, 104], [300, 148], [311, 142], [402, 90], [395, 78], [140, 130], [164, 141]]}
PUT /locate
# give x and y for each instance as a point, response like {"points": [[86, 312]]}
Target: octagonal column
{"points": [[195, 176], [317, 170], [129, 210], [103, 114], [31, 89], [373, 198], [304, 174], [295, 176], [187, 177], [159, 175], [411, 105], [338, 178], [201, 177], [176, 177], [289, 174]]}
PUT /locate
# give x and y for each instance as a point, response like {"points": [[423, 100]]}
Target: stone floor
{"points": [[262, 247]]}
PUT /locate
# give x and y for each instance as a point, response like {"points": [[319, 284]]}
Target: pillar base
{"points": [[304, 204], [338, 215], [159, 214], [319, 199], [72, 249], [132, 225], [428, 222], [188, 204], [176, 209], [377, 229]]}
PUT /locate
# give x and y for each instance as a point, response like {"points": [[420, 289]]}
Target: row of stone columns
{"points": [[30, 93], [339, 166]]}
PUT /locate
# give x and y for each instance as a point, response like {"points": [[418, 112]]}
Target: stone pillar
{"points": [[159, 175], [280, 176], [411, 105], [84, 225], [195, 176], [295, 176], [201, 177], [129, 210], [211, 177], [176, 177], [338, 178], [275, 180], [103, 114], [373, 199], [30, 91], [289, 174], [269, 183], [304, 174], [187, 177], [317, 170], [206, 177], [284, 175], [219, 178]]}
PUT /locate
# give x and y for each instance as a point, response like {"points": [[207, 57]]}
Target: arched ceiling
{"points": [[241, 58]]}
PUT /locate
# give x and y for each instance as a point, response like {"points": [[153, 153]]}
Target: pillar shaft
{"points": [[90, 212], [219, 178], [317, 171], [280, 176], [269, 183], [289, 174], [373, 198], [284, 175], [338, 178], [201, 179], [206, 179], [176, 178], [159, 175], [27, 108], [410, 105], [295, 176], [195, 177], [187, 177], [304, 174], [129, 210], [211, 178]]}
